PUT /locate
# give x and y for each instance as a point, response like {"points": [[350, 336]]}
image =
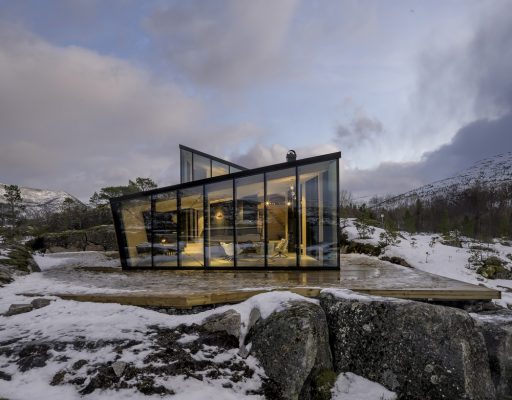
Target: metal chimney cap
{"points": [[291, 156]]}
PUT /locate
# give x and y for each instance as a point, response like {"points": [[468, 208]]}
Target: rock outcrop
{"points": [[98, 238], [496, 327], [420, 351], [16, 260], [293, 348]]}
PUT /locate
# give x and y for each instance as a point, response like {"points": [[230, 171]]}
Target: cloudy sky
{"points": [[94, 93]]}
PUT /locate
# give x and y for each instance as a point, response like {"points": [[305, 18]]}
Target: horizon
{"points": [[94, 94]]}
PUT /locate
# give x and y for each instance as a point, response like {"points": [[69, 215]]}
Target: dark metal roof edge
{"points": [[201, 153], [241, 174]]}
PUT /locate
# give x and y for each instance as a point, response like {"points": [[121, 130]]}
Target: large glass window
{"points": [[219, 168], [318, 214], [191, 227], [186, 166], [202, 167], [165, 229], [281, 218], [220, 247], [250, 232], [136, 223]]}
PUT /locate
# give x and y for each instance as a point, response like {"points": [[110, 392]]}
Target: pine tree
{"points": [[15, 204]]}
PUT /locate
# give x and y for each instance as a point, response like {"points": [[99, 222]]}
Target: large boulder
{"points": [[420, 351], [496, 327], [292, 345]]}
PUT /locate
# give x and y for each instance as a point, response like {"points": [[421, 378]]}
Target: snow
{"points": [[350, 386], [65, 321], [75, 258], [430, 255], [348, 294]]}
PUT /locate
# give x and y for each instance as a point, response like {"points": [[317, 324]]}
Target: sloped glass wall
{"points": [[318, 214], [284, 218]]}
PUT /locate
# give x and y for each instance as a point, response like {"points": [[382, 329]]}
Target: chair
{"points": [[229, 249], [281, 249]]}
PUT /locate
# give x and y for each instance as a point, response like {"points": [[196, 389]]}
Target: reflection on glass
{"points": [[318, 213], [136, 220], [220, 248], [219, 168], [165, 229], [202, 167], [186, 166], [281, 218], [232, 169], [191, 227], [250, 233]]}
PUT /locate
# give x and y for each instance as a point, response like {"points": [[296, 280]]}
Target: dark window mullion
{"points": [[265, 219], [178, 228], [206, 229], [338, 230], [235, 244], [297, 214]]}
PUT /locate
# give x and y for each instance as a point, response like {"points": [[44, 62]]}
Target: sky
{"points": [[94, 93]]}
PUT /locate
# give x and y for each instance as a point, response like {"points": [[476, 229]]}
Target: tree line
{"points": [[481, 212], [15, 220]]}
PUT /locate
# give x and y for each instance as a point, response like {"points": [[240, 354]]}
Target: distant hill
{"points": [[36, 200], [490, 173]]}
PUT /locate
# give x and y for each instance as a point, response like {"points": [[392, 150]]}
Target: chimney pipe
{"points": [[291, 156]]}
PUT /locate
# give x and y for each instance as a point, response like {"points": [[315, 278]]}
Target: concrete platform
{"points": [[185, 289]]}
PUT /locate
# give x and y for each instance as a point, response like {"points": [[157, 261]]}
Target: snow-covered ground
{"points": [[426, 253], [65, 321], [350, 386]]}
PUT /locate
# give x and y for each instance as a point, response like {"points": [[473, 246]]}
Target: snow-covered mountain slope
{"points": [[490, 172], [39, 199]]}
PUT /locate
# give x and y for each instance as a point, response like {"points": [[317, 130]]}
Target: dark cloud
{"points": [[477, 140], [359, 129], [472, 79]]}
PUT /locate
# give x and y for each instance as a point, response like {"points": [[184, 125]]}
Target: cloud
{"points": [[475, 141], [260, 155], [224, 44], [361, 129], [464, 91], [75, 119], [465, 80]]}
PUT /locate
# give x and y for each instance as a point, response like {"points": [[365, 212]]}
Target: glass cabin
{"points": [[225, 216]]}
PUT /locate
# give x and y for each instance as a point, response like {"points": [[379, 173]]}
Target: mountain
{"points": [[36, 200], [492, 173]]}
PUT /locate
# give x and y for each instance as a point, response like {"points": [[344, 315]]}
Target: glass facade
{"points": [[277, 217], [195, 165], [282, 219], [191, 227], [220, 249], [165, 229], [250, 221], [318, 214]]}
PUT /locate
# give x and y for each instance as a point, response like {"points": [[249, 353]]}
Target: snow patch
{"points": [[350, 386]]}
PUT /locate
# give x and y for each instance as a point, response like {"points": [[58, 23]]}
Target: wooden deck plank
{"points": [[186, 289], [189, 300]]}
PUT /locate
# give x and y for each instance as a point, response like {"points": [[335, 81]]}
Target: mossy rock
{"points": [[494, 268], [20, 257], [396, 260], [322, 384], [363, 248]]}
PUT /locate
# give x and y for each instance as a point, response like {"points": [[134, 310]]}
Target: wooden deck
{"points": [[186, 289]]}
